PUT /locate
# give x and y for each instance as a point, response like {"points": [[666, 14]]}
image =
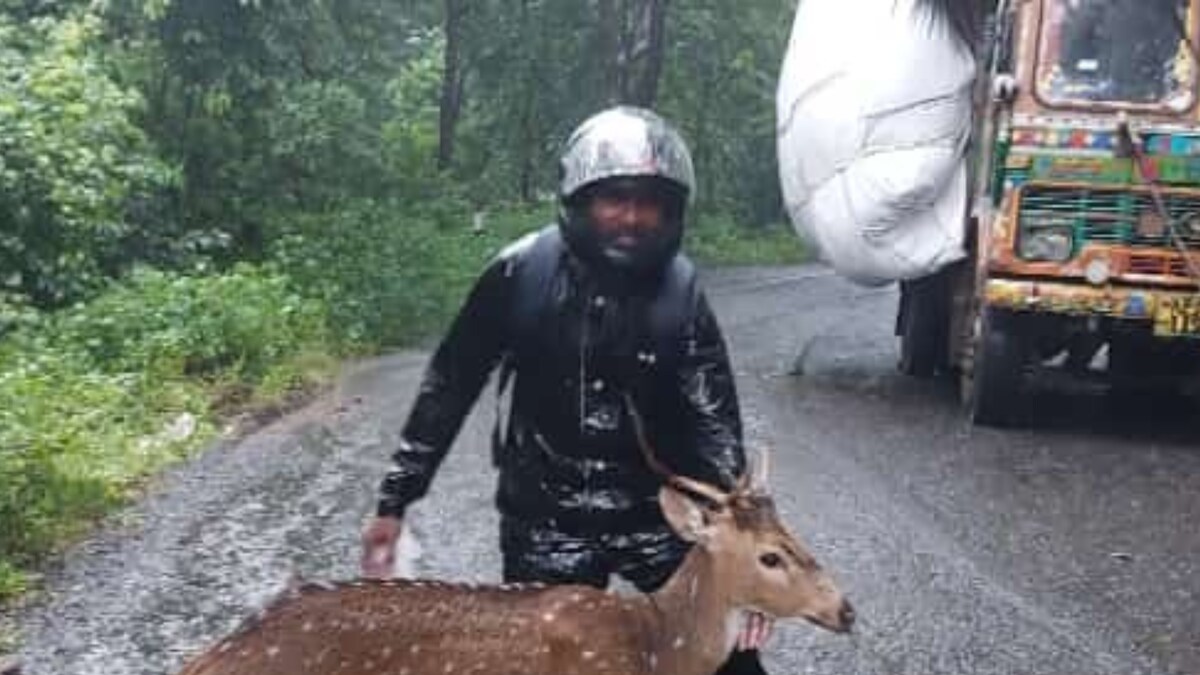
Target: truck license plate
{"points": [[1178, 317]]}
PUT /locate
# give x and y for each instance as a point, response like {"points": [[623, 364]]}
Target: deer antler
{"points": [[754, 478], [709, 492], [762, 468]]}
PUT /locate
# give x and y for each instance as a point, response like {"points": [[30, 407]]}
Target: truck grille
{"points": [[1109, 215]]}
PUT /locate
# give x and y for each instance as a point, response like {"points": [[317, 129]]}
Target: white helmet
{"points": [[625, 144]]}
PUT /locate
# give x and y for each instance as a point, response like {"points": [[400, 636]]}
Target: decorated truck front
{"points": [[1088, 207]]}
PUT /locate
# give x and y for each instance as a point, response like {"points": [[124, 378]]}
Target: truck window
{"points": [[1116, 51]]}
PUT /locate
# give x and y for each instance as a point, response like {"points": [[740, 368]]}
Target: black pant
{"points": [[539, 552]]}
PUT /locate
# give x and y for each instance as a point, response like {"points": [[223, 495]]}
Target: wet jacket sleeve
{"points": [[452, 382], [710, 396]]}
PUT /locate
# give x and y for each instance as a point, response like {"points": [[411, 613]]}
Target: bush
{"points": [[71, 161], [237, 324], [94, 398], [389, 277], [69, 446]]}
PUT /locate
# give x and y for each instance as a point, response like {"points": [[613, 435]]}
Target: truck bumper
{"points": [[1152, 306]]}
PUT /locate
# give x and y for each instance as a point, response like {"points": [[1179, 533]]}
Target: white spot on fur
{"points": [[272, 651], [548, 617], [588, 656], [679, 642]]}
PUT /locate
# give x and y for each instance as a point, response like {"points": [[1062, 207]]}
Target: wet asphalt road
{"points": [[1068, 549]]}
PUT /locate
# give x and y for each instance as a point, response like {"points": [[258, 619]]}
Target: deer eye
{"points": [[771, 560]]}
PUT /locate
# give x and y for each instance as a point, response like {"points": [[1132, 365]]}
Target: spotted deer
{"points": [[743, 559]]}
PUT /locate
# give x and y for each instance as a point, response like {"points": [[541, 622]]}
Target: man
{"points": [[590, 311]]}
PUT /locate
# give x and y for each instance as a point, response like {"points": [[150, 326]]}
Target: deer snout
{"points": [[838, 617], [846, 617]]}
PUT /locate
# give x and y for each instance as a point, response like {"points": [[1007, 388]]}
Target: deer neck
{"points": [[694, 619]]}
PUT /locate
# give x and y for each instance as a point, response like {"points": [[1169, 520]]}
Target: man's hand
{"points": [[379, 539], [756, 632]]}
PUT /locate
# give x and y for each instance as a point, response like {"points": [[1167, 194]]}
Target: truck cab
{"points": [[1084, 226]]}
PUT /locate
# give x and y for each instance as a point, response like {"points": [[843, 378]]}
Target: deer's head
{"points": [[765, 567]]}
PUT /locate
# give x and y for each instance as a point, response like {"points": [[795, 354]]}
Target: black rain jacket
{"points": [[576, 347]]}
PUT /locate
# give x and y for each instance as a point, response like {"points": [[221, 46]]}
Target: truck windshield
{"points": [[1133, 52]]}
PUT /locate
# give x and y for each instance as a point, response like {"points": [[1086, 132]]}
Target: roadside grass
{"points": [[720, 241]]}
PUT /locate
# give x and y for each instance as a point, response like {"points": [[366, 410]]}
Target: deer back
{"points": [[434, 628]]}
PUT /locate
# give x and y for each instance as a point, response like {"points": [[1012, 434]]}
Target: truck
{"points": [[1079, 246]]}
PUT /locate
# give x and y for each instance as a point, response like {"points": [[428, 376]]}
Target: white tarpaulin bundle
{"points": [[874, 112]]}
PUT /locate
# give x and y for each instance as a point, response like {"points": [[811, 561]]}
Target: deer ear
{"points": [[687, 517]]}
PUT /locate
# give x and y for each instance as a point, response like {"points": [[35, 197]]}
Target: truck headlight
{"points": [[1098, 271], [1051, 244]]}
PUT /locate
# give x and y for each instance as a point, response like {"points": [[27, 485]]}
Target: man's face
{"points": [[625, 214]]}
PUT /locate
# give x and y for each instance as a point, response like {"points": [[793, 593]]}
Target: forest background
{"points": [[206, 205]]}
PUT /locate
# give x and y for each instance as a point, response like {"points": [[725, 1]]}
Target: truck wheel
{"points": [[922, 324], [994, 383]]}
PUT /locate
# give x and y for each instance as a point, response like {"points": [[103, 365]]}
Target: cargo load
{"points": [[874, 114]]}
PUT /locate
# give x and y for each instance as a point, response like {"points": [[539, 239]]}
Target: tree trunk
{"points": [[608, 49], [527, 132], [452, 82], [528, 157], [652, 29]]}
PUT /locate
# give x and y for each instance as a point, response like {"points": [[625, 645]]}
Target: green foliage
{"points": [[237, 323], [533, 81], [410, 133], [316, 129], [720, 88], [719, 240], [389, 277], [70, 161], [266, 106], [96, 397], [68, 441]]}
